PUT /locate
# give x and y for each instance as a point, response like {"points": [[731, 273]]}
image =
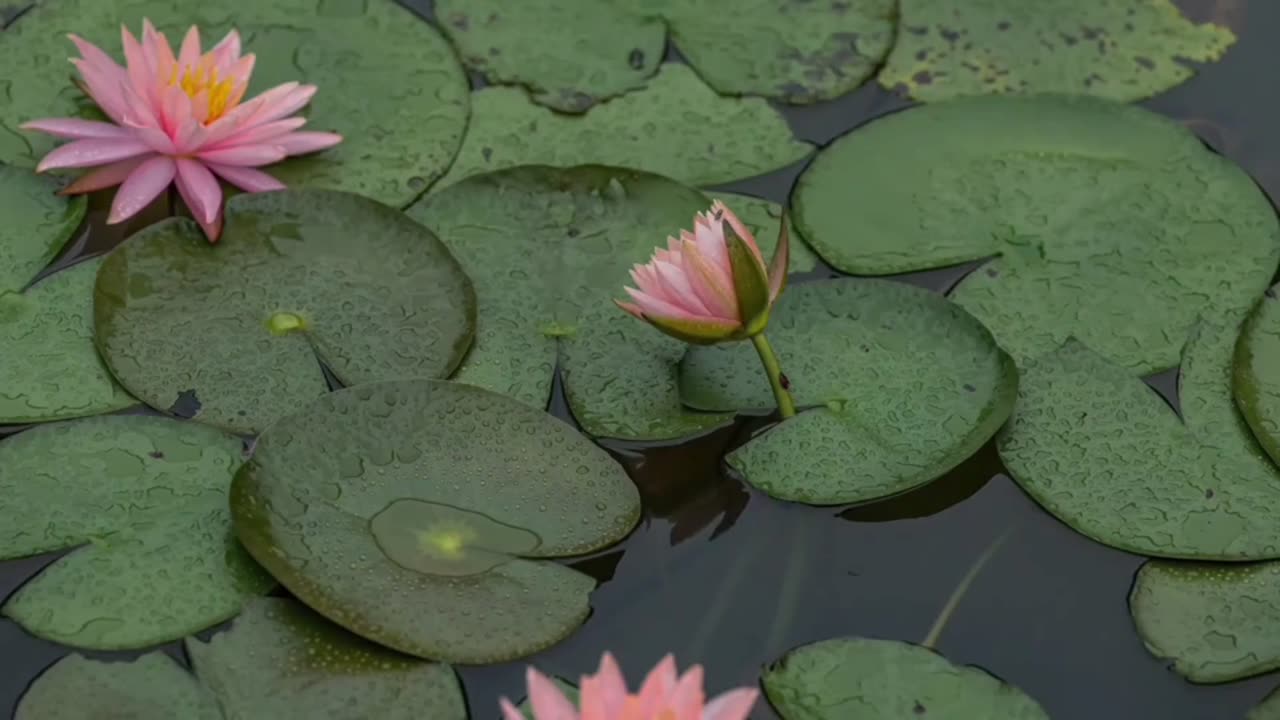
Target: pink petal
{"points": [[733, 705], [156, 47], [657, 307], [509, 711], [631, 308], [189, 54], [607, 694], [104, 88], [143, 185], [156, 139], [87, 153], [199, 190], [240, 74], [75, 129], [738, 229], [104, 177], [138, 113], [301, 143], [96, 59], [547, 700], [247, 179], [262, 133], [212, 230], [244, 155], [284, 105], [713, 287], [658, 686], [677, 285], [227, 51], [141, 75], [241, 118], [688, 697], [709, 235]]}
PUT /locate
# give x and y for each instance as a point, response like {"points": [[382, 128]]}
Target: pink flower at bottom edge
{"points": [[178, 119], [664, 695]]}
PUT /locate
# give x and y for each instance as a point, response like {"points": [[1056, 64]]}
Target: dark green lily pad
{"points": [[49, 369], [234, 335], [569, 53], [885, 362], [389, 83], [1257, 373], [1118, 50], [676, 126], [1103, 452], [145, 499], [1216, 622], [405, 512], [887, 680], [279, 661], [1112, 225], [549, 250]]}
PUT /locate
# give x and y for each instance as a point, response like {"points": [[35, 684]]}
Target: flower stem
{"points": [[786, 405]]}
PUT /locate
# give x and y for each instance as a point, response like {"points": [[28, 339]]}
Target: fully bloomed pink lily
{"points": [[178, 119], [604, 696]]}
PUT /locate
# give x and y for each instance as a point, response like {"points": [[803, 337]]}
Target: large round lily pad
{"points": [[1119, 50], [389, 83], [1216, 622], [49, 369], [675, 126], [1257, 373], [421, 515], [1112, 225], [886, 680], [145, 499], [235, 334], [280, 661], [570, 54], [1103, 452], [908, 386], [548, 250]]}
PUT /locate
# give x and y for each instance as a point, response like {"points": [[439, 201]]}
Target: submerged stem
{"points": [[786, 405], [931, 640]]}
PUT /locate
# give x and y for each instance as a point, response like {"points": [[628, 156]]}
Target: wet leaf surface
{"points": [[883, 362], [144, 501], [49, 369], [421, 515], [548, 251], [1118, 50], [389, 83], [887, 680], [569, 53], [1257, 373], [1099, 449], [675, 126], [1111, 224], [234, 334], [279, 661], [1217, 623]]}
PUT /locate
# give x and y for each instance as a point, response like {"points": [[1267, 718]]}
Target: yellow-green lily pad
{"points": [[389, 83], [1108, 223], [423, 515], [144, 502], [1118, 50], [279, 661], [904, 386], [235, 334]]}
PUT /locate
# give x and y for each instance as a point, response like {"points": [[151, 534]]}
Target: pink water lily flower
{"points": [[710, 285], [178, 120], [604, 696]]}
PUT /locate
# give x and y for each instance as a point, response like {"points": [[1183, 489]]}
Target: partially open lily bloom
{"points": [[710, 285], [178, 120], [663, 696]]}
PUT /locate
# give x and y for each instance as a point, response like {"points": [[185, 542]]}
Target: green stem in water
{"points": [[931, 640], [786, 405]]}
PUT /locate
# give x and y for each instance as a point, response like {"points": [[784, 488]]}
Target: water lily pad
{"points": [[1119, 50], [235, 334], [764, 219], [1103, 452], [420, 515], [1216, 622], [388, 81], [1257, 373], [1111, 224], [145, 499], [49, 369], [279, 661], [569, 53], [548, 250], [676, 126], [885, 362], [887, 680]]}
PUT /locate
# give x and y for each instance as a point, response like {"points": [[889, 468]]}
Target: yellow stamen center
{"points": [[203, 78]]}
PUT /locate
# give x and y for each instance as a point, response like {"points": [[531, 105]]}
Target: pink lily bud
{"points": [[711, 285]]}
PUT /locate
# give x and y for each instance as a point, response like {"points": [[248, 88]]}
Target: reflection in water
{"points": [[951, 489]]}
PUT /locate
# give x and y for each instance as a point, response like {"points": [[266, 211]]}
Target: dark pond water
{"points": [[719, 574]]}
